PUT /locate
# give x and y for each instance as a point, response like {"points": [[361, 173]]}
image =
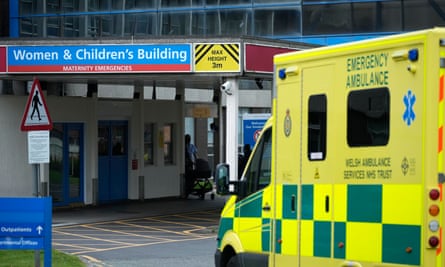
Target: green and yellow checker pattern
{"points": [[367, 223], [250, 222]]}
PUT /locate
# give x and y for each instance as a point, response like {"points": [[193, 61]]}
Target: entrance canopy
{"points": [[200, 63], [129, 66]]}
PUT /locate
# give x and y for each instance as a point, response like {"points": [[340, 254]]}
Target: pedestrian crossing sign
{"points": [[36, 116]]}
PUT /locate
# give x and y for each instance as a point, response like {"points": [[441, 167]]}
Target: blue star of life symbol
{"points": [[409, 99]]}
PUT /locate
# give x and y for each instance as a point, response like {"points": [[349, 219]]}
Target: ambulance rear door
{"points": [[322, 125]]}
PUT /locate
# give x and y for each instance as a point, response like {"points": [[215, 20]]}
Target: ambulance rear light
{"points": [[433, 226], [434, 210], [434, 194], [283, 73], [433, 241], [413, 54]]}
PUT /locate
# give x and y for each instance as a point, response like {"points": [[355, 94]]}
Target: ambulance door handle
{"points": [[266, 208], [326, 204], [292, 203]]}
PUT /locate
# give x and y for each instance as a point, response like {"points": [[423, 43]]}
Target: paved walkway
{"points": [[134, 209]]}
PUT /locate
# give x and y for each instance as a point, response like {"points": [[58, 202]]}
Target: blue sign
{"points": [[25, 224], [22, 243], [100, 58], [26, 229], [252, 127]]}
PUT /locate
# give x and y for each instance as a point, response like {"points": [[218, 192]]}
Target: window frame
{"points": [[317, 127], [371, 127]]}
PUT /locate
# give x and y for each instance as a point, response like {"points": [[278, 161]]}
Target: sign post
{"points": [[37, 122]]}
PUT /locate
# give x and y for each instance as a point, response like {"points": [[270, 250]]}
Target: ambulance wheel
{"points": [[233, 261]]}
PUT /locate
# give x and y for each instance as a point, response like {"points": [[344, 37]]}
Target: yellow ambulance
{"points": [[349, 170]]}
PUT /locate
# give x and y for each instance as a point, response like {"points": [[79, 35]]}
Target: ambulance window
{"points": [[317, 127], [258, 173], [368, 117]]}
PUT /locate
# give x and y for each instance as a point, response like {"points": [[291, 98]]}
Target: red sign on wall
{"points": [[259, 58], [2, 59]]}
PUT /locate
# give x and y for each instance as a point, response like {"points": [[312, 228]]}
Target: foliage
{"points": [[25, 258]]}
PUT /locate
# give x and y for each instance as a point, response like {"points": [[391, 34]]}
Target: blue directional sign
{"points": [[25, 224], [252, 127]]}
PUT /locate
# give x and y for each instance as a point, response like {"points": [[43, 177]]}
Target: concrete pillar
{"points": [[232, 99], [141, 188], [95, 191], [180, 96]]}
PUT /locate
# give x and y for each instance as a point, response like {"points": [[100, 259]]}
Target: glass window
{"points": [[103, 141], [117, 5], [71, 6], [270, 22], [317, 127], [140, 24], [137, 4], [56, 167], [275, 1], [53, 26], [93, 5], [235, 22], [118, 133], [93, 26], [167, 137], [28, 27], [199, 26], [99, 5], [106, 25], [175, 23], [198, 2], [258, 172], [148, 144], [71, 27], [376, 16], [327, 19], [173, 3], [53, 6], [228, 2], [368, 117], [426, 15], [27, 7], [213, 25], [74, 162]]}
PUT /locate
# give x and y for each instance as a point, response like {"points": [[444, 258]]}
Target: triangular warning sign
{"points": [[36, 116], [317, 174]]}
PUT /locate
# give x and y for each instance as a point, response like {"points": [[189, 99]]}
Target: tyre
{"points": [[233, 261]]}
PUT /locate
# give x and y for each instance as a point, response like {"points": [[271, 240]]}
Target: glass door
{"points": [[66, 163]]}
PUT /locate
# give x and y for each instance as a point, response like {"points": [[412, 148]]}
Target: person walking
{"points": [[191, 154]]}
